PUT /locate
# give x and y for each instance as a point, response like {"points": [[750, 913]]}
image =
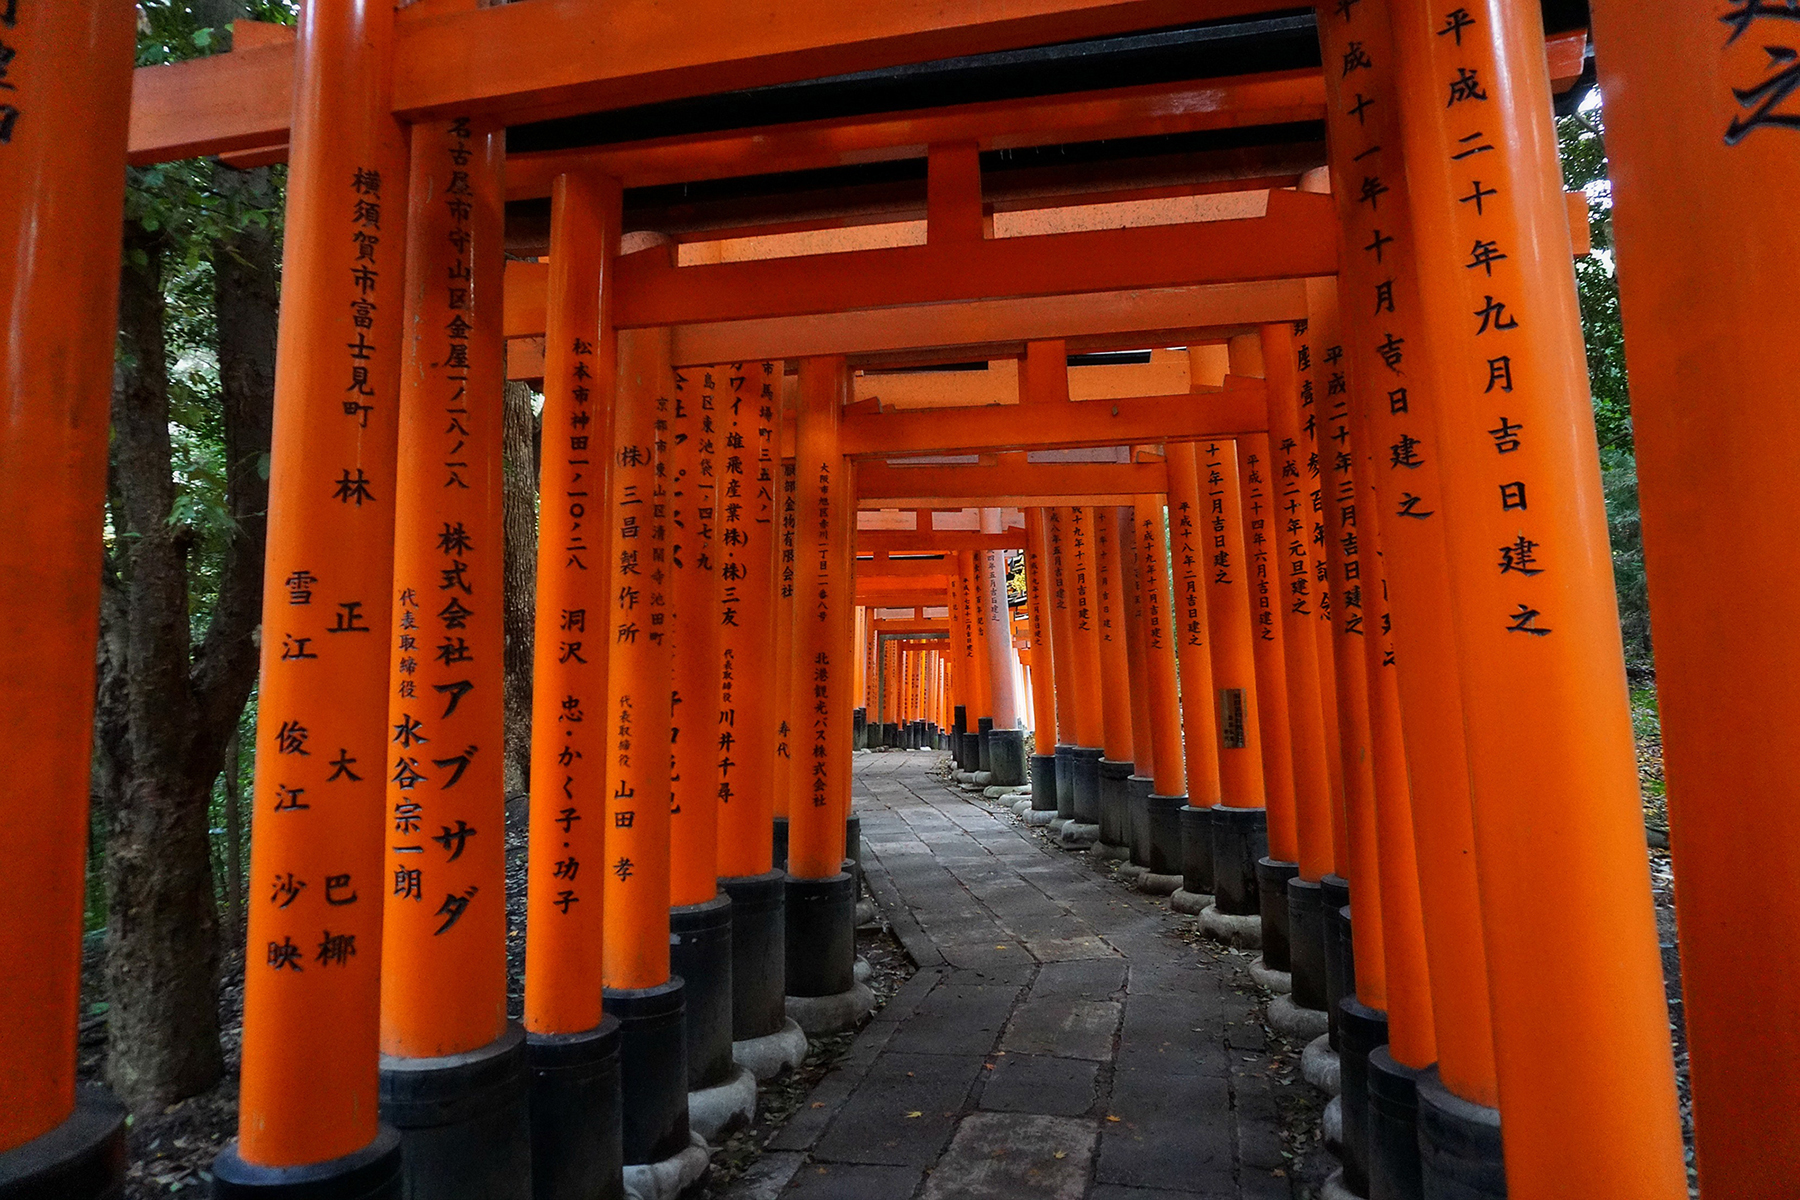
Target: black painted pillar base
{"points": [[1043, 783], [1137, 818], [1114, 807], [971, 751], [372, 1173], [1085, 763], [1065, 783], [820, 935], [81, 1158], [859, 728], [1196, 850], [1459, 1145], [778, 860], [890, 735], [1006, 757], [1393, 1129], [652, 1070], [577, 1145], [1340, 968], [1272, 877], [1306, 942], [700, 954], [1240, 838], [758, 953], [464, 1120], [1163, 825], [1361, 1030], [984, 730]]}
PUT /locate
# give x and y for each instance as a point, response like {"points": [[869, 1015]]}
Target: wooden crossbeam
{"points": [[1296, 239], [553, 58], [1184, 106], [1240, 409], [1013, 484], [911, 569], [944, 541], [911, 625]]}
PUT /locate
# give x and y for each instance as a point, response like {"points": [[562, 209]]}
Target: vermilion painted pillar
{"points": [[1167, 787], [1002, 660], [444, 1032], [1143, 741], [1702, 242], [746, 735], [1112, 543], [568, 1038], [1581, 1040], [1057, 522], [636, 723], [65, 109], [1190, 623], [309, 1096], [1040, 601], [1082, 580], [1255, 818], [1391, 396], [821, 898], [783, 552]]}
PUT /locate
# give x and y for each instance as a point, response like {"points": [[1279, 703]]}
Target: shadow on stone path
{"points": [[1061, 1038]]}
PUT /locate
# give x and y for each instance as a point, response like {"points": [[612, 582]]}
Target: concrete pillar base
{"points": [[1103, 849], [1157, 885], [1076, 836], [577, 1145], [1137, 820], [700, 955], [984, 736], [1306, 943], [1188, 903], [1279, 982], [1196, 850], [867, 915], [1127, 873], [1006, 756], [464, 1120], [1394, 1172], [1361, 1031], [1334, 1188], [1240, 840], [1038, 817], [774, 1053], [1272, 902], [1295, 1023], [723, 1108], [83, 1157], [1043, 782], [652, 1069], [1162, 831], [1085, 770], [668, 1178], [1022, 806], [1331, 1126], [1459, 1145], [1243, 932], [1065, 782], [821, 1016], [1320, 1066], [372, 1173], [1115, 804]]}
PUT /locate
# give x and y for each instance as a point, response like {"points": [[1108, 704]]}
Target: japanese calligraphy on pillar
{"points": [[1259, 524], [443, 766], [1767, 61]]}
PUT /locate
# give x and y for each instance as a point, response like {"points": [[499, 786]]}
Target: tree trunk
{"points": [[181, 703], [520, 513], [162, 925]]}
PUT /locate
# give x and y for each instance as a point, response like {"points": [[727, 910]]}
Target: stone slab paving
{"points": [[1060, 1040]]}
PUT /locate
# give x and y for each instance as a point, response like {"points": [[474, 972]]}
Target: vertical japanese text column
{"points": [[824, 597], [1391, 405], [65, 100], [564, 959], [746, 737], [1707, 258], [312, 986], [1580, 1039], [443, 978], [1257, 569]]}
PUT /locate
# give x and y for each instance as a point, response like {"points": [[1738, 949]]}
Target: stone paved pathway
{"points": [[1060, 1039]]}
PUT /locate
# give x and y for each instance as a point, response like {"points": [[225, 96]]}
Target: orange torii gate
{"points": [[1573, 1058]]}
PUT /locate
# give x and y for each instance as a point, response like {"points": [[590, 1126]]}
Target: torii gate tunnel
{"points": [[1175, 409]]}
